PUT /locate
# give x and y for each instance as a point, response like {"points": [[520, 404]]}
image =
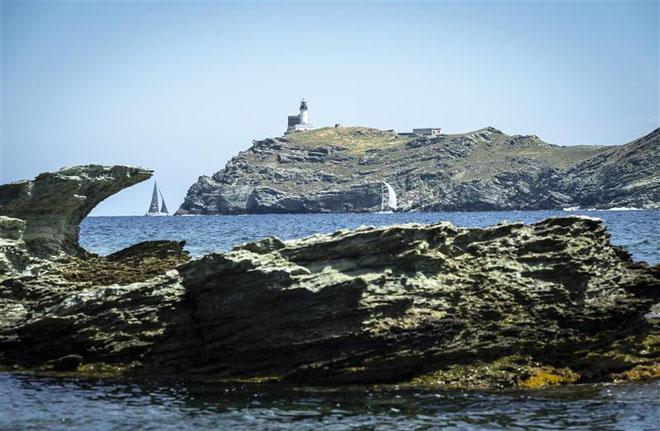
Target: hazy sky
{"points": [[182, 87]]}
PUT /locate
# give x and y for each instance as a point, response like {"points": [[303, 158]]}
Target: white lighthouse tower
{"points": [[300, 121], [304, 115]]}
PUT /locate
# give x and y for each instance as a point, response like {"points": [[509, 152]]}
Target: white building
{"points": [[429, 131], [300, 121]]}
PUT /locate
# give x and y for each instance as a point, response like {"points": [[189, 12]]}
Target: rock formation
{"points": [[341, 169], [54, 203], [511, 305], [14, 256]]}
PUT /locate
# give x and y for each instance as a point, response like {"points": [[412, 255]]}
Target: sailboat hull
{"points": [[158, 214]]}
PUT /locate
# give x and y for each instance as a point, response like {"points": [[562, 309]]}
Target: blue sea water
{"points": [[31, 402], [46, 403], [638, 231]]}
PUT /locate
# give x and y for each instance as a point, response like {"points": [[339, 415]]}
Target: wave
{"points": [[604, 209]]}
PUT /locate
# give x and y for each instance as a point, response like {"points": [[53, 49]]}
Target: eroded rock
{"points": [[511, 305], [14, 256], [54, 203], [425, 302]]}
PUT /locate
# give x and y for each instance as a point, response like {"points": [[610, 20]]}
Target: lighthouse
{"points": [[300, 121], [304, 115]]}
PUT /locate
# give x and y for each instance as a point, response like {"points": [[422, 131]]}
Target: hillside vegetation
{"points": [[352, 139], [337, 169]]}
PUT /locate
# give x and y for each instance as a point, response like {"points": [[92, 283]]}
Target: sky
{"points": [[181, 87]]}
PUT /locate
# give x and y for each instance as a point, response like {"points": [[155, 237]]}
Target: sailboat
{"points": [[153, 207], [387, 204]]}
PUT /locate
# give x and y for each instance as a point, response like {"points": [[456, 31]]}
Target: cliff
{"points": [[341, 170], [510, 305]]}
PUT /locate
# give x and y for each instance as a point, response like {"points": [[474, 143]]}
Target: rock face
{"points": [[553, 301], [41, 265], [341, 169], [626, 176], [54, 204], [392, 303], [14, 256], [511, 305]]}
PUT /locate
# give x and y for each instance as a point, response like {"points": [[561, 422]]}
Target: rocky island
{"points": [[513, 305], [341, 169]]}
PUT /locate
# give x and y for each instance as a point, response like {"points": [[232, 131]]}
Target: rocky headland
{"points": [[341, 170], [513, 305]]}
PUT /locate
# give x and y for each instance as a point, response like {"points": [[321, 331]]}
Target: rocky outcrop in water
{"points": [[393, 303], [511, 305], [54, 203], [341, 170]]}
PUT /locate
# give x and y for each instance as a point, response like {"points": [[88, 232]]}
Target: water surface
{"points": [[638, 231], [42, 403]]}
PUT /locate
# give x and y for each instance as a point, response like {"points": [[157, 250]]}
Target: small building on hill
{"points": [[430, 131], [300, 121]]}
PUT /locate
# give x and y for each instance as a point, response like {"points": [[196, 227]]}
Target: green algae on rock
{"points": [[139, 262], [509, 371]]}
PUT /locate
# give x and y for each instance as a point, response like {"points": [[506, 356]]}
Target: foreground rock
{"points": [[512, 305], [54, 203], [341, 169]]}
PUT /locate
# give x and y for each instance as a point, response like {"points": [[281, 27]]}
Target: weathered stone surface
{"points": [[54, 203], [11, 229], [139, 262], [356, 198], [426, 302], [623, 176], [388, 304], [512, 305], [14, 256], [107, 326], [341, 170]]}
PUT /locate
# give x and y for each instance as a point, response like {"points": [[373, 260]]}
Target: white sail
{"points": [[391, 198]]}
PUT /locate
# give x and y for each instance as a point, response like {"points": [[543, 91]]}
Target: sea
{"points": [[37, 402], [637, 230]]}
